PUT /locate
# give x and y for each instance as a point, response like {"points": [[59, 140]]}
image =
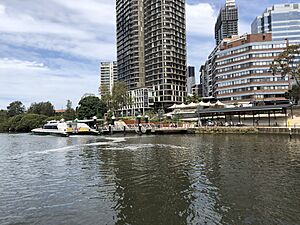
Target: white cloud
{"points": [[22, 23], [89, 49], [20, 65], [200, 19], [51, 51], [2, 9], [70, 31], [93, 11], [33, 82]]}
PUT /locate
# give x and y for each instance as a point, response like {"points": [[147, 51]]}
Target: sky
{"points": [[50, 50]]}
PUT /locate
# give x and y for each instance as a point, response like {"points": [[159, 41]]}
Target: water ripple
{"points": [[174, 180]]}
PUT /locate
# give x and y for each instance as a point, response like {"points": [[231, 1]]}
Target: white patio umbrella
{"points": [[192, 105], [218, 103], [211, 104], [182, 106], [203, 104], [173, 106]]}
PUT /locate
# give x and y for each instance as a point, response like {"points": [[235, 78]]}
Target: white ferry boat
{"points": [[62, 128], [52, 127]]}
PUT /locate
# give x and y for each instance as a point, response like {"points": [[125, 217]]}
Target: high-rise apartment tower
{"points": [[151, 47], [227, 22], [130, 42], [108, 76]]}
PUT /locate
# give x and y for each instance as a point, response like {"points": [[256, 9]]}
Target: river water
{"points": [[180, 179]]}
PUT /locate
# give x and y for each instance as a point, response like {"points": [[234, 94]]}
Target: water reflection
{"points": [[207, 179], [255, 180], [152, 185], [212, 180]]}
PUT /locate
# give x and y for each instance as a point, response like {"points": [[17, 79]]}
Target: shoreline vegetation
{"points": [[16, 118], [19, 120]]}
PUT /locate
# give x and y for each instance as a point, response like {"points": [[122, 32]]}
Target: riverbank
{"points": [[245, 130], [224, 130], [206, 130]]}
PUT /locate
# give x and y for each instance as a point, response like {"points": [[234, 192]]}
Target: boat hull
{"points": [[83, 133], [49, 132]]}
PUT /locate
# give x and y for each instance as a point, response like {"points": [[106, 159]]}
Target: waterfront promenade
{"points": [[186, 128]]}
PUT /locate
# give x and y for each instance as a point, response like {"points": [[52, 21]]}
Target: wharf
{"points": [[167, 130], [155, 131], [278, 130], [162, 130]]}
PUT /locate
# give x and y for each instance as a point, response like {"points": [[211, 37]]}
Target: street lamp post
{"points": [[139, 117], [147, 119], [160, 114], [95, 122], [113, 119]]}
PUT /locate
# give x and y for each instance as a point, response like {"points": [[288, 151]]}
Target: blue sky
{"points": [[51, 50]]}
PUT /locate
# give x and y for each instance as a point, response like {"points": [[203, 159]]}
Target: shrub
{"points": [[29, 122], [4, 127], [25, 123]]}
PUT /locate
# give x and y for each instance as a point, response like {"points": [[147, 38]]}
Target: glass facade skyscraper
{"points": [[282, 20]]}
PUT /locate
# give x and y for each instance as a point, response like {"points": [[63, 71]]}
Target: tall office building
{"points": [[191, 79], [227, 22], [108, 76], [283, 21], [151, 47]]}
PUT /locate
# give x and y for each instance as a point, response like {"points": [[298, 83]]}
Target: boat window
{"points": [[51, 127]]}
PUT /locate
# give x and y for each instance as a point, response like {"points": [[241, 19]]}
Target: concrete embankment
{"points": [[244, 130], [278, 130], [224, 130]]}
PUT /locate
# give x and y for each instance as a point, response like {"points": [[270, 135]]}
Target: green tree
{"points": [[25, 122], [42, 108], [3, 115], [194, 98], [15, 108], [105, 95], [91, 106], [3, 121], [294, 93], [286, 65], [120, 96], [70, 113], [29, 122], [13, 122]]}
